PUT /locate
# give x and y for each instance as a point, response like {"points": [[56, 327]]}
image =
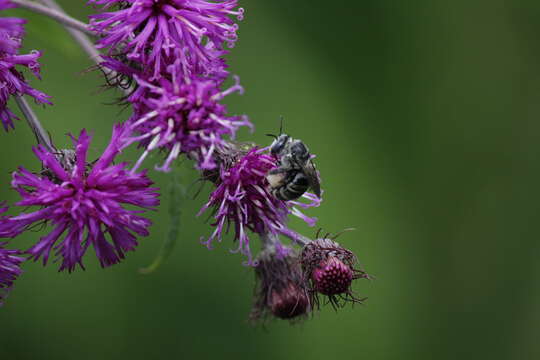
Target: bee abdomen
{"points": [[293, 189]]}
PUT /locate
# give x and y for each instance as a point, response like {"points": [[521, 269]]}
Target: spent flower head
{"points": [[86, 200], [157, 32], [280, 288]]}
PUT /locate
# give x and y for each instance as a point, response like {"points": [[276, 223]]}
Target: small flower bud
{"points": [[332, 277], [281, 289], [331, 270], [289, 302]]}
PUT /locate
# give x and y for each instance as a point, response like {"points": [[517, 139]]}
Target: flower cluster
{"points": [[172, 50], [289, 284], [12, 82], [85, 201], [169, 57]]}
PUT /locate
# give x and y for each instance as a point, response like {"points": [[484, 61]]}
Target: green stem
{"points": [[59, 16], [176, 194], [34, 123]]}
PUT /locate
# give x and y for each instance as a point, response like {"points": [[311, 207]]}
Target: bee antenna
{"points": [[280, 124], [341, 232], [271, 135]]}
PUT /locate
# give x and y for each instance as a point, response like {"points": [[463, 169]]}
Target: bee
{"points": [[296, 172]]}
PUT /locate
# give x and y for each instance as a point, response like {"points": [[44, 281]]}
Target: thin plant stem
{"points": [[177, 194], [85, 43], [34, 123], [61, 17], [83, 40]]}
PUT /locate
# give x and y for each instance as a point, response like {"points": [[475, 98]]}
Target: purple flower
{"points": [[184, 116], [12, 81], [280, 286], [242, 198], [156, 32], [8, 228], [331, 269], [9, 269], [6, 4], [86, 201]]}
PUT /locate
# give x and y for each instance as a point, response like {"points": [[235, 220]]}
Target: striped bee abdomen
{"points": [[296, 185]]}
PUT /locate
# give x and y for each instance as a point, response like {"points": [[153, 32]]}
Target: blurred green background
{"points": [[424, 116]]}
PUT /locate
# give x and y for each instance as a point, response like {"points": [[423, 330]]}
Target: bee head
{"points": [[279, 144]]}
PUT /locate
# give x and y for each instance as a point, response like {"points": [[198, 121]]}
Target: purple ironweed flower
{"points": [[9, 269], [87, 200], [242, 197], [11, 30], [12, 81], [156, 32], [183, 116], [331, 269], [8, 228], [6, 4], [280, 286]]}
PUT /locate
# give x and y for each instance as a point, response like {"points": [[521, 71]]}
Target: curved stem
{"points": [[54, 14], [34, 123], [84, 42]]}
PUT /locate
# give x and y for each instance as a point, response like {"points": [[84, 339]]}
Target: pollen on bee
{"points": [[275, 180]]}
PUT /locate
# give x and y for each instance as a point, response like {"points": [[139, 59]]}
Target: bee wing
{"points": [[313, 176]]}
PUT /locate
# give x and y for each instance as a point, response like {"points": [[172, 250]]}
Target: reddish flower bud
{"points": [[281, 289], [332, 277], [331, 270], [289, 302]]}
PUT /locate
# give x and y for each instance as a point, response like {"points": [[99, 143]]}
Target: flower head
{"points": [[156, 32], [9, 269], [86, 200], [12, 81], [280, 289], [243, 199], [184, 116], [331, 270]]}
